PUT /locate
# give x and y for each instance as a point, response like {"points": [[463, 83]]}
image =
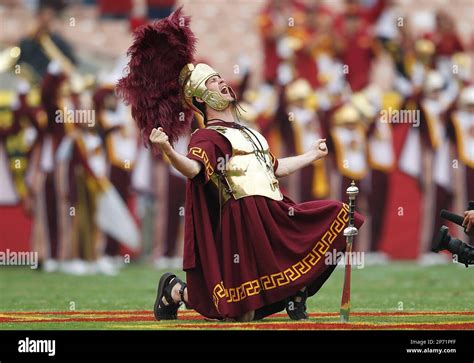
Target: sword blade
{"points": [[345, 309]]}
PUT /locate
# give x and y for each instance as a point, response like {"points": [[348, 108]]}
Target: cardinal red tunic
{"points": [[254, 252]]}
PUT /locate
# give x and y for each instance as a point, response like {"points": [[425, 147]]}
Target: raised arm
{"points": [[189, 168], [287, 166]]}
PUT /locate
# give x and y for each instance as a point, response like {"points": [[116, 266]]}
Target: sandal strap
{"points": [[169, 288], [181, 290]]}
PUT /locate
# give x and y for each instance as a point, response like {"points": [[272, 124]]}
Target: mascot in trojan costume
{"points": [[249, 250]]}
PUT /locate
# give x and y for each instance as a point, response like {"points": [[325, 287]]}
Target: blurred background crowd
{"points": [[388, 83]]}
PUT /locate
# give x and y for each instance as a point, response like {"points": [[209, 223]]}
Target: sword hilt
{"points": [[352, 192]]}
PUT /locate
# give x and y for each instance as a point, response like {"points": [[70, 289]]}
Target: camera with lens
{"points": [[444, 242]]}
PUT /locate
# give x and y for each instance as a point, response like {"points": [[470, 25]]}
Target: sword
{"points": [[350, 232]]}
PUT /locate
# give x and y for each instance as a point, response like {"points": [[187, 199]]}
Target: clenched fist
{"points": [[160, 139], [321, 148]]}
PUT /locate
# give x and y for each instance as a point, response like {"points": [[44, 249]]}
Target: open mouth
{"points": [[225, 90]]}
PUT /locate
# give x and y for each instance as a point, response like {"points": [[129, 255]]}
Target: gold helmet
{"points": [[192, 79], [299, 89], [424, 47], [346, 115]]}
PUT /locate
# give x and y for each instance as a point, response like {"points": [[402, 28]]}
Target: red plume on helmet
{"points": [[159, 51]]}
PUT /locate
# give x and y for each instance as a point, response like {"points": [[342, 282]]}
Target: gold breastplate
{"points": [[245, 173]]}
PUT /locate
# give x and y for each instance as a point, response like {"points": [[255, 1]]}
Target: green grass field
{"points": [[383, 296]]}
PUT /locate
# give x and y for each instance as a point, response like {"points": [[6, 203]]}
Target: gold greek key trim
{"points": [[201, 154], [300, 268]]}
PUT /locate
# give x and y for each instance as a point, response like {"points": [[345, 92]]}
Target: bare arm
{"points": [[189, 168], [287, 166]]}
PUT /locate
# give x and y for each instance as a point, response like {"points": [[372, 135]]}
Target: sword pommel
{"points": [[352, 191]]}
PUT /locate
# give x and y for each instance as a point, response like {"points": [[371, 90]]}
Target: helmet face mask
{"points": [[193, 82]]}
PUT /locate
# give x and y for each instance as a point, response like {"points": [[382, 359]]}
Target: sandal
{"points": [[165, 286], [296, 310]]}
